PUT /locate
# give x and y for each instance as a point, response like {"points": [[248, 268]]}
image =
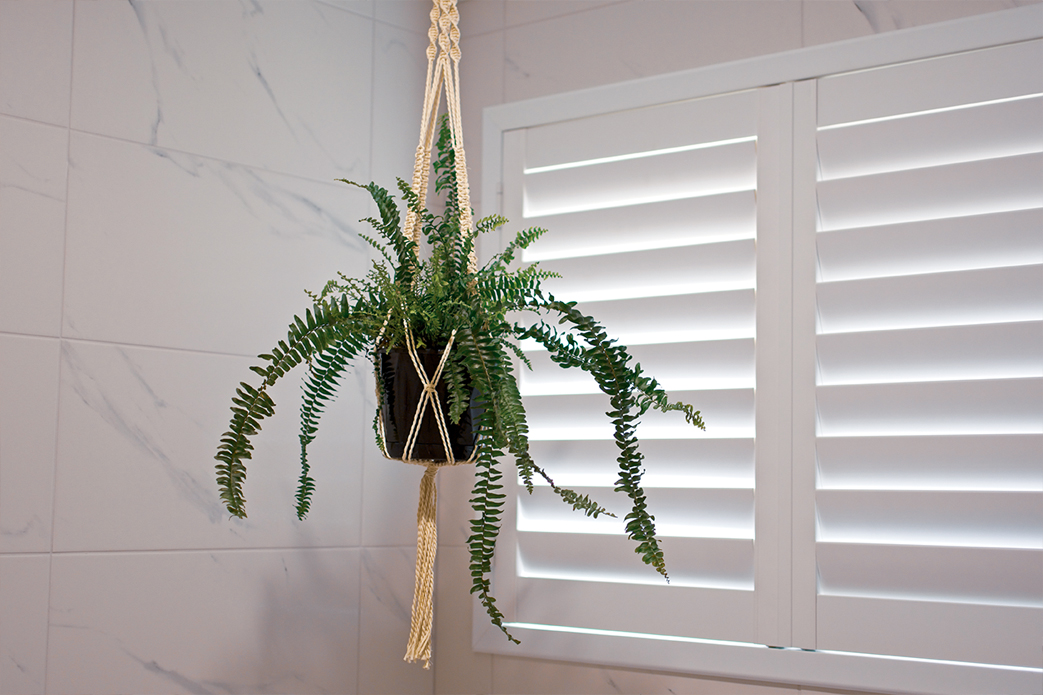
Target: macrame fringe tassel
{"points": [[419, 646]]}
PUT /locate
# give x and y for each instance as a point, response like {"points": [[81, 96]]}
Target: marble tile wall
{"points": [[166, 193]]}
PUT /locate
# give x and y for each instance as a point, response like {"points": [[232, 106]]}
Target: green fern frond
{"points": [[390, 227], [249, 407], [649, 394], [581, 502], [521, 241], [305, 338], [319, 389], [490, 223], [609, 365], [520, 354]]}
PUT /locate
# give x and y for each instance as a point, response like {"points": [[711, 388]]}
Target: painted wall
{"points": [[166, 191]]}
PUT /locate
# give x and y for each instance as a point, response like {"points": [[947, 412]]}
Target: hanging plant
{"points": [[444, 351]]}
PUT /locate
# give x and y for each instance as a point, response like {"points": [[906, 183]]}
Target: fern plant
{"points": [[437, 297]]}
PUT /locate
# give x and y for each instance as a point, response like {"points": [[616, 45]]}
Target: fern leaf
{"points": [[251, 405], [318, 391]]}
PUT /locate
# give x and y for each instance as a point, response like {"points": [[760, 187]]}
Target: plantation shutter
{"points": [[653, 224], [929, 355], [859, 315]]}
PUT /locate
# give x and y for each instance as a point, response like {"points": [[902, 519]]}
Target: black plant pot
{"points": [[399, 397]]}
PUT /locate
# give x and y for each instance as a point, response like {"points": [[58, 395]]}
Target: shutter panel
{"points": [[929, 498], [652, 217]]}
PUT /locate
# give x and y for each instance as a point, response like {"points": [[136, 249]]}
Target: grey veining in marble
{"points": [[23, 615], [135, 470], [249, 622], [187, 685], [187, 242], [28, 421], [136, 419], [218, 79], [33, 175]]}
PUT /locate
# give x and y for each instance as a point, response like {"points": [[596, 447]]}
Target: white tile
{"points": [[28, 423], [637, 39], [136, 443], [458, 668], [912, 13], [363, 8], [278, 85], [33, 173], [834, 20], [514, 676], [386, 603], [528, 11], [202, 622], [174, 250], [33, 157], [23, 617], [826, 21], [390, 494], [481, 17], [454, 505], [399, 70], [413, 15], [481, 77], [35, 59]]}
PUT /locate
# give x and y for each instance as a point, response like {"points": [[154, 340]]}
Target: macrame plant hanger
{"points": [[443, 69]]}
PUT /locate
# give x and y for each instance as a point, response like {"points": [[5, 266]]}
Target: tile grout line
{"points": [[61, 336], [116, 343], [34, 121], [197, 155], [189, 551], [362, 471], [494, 658]]}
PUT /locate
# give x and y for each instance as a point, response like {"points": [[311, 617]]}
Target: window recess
{"points": [[837, 254]]}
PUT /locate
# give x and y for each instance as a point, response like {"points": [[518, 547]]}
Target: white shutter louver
{"points": [[652, 219], [929, 497]]}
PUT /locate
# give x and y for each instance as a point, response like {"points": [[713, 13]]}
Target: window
{"points": [[843, 271]]}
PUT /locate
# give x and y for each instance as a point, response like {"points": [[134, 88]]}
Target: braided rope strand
{"points": [[443, 70], [422, 618]]}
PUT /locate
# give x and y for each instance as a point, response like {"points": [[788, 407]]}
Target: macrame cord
{"points": [[443, 69]]}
